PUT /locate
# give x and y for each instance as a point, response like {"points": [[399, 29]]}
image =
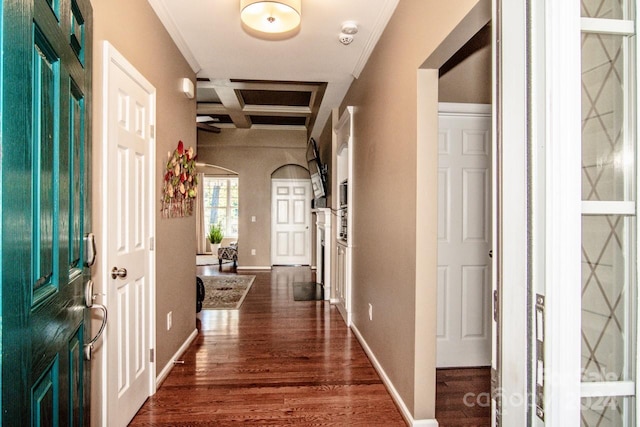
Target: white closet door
{"points": [[464, 238]]}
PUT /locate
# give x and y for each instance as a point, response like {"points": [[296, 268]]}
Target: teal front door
{"points": [[45, 150]]}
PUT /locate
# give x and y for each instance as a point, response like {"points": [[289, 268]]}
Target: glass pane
{"points": [[221, 203], [606, 411], [607, 298], [607, 159], [608, 9]]}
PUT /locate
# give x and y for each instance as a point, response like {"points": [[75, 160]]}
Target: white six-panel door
{"points": [[130, 109], [291, 222], [464, 236]]}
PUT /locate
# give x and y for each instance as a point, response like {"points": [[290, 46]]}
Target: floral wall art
{"points": [[180, 183]]}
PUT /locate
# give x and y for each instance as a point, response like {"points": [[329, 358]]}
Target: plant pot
{"points": [[214, 249]]}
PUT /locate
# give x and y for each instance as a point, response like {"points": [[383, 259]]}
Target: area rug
{"points": [[308, 291], [225, 292], [206, 260]]}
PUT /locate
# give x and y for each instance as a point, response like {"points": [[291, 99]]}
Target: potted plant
{"points": [[215, 237]]}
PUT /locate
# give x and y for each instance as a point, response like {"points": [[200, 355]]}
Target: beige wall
{"points": [[134, 30], [395, 193], [254, 155], [469, 81]]}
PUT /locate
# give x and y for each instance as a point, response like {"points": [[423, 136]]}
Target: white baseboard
{"points": [[169, 366], [387, 382], [255, 267]]}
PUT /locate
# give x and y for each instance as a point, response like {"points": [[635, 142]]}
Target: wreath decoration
{"points": [[180, 183]]}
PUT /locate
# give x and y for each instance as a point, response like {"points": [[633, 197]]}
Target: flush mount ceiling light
{"points": [[272, 17]]}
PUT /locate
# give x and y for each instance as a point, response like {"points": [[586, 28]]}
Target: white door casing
{"points": [[464, 236], [291, 222], [128, 229], [510, 35]]}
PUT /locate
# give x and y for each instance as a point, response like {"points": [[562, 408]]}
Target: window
{"points": [[221, 204]]}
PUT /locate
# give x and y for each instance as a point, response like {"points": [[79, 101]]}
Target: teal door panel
{"points": [[45, 209]]}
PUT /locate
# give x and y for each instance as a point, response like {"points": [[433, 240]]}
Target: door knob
{"points": [[118, 272]]}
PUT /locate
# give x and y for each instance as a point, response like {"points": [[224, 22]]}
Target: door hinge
{"points": [[152, 355], [152, 243], [496, 310], [152, 131]]}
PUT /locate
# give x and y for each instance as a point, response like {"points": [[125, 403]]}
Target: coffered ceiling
{"points": [[249, 103], [246, 82]]}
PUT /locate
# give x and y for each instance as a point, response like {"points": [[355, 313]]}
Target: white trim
{"points": [[169, 366], [635, 117], [608, 208], [404, 411], [460, 109], [563, 225], [110, 55], [254, 267], [386, 11], [511, 216], [607, 26], [614, 388], [165, 17], [207, 165]]}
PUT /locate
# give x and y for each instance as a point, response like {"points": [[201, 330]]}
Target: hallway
{"points": [[275, 361]]}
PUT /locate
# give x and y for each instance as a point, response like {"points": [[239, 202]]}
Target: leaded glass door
{"points": [[609, 211]]}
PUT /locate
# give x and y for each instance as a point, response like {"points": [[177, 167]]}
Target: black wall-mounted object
{"points": [[317, 170]]}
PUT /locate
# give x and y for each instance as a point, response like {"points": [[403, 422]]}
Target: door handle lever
{"points": [[88, 347], [89, 249], [89, 297]]}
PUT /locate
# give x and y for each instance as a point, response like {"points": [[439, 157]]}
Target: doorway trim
{"points": [[309, 244], [112, 57]]}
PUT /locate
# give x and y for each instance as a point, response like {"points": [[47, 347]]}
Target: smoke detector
{"points": [[347, 31], [345, 39]]}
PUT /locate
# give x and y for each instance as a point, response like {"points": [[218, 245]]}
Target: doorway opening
{"points": [[465, 330], [291, 231], [217, 205]]}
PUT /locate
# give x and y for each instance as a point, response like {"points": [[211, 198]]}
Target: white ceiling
{"points": [[210, 36]]}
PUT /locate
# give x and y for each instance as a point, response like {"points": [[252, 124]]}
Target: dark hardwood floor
{"points": [[281, 362], [462, 397], [275, 361]]}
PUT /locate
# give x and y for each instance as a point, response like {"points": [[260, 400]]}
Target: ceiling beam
{"points": [[232, 103], [211, 108], [276, 110], [260, 85]]}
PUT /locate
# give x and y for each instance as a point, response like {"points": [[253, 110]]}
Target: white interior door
{"points": [[464, 236], [130, 105], [291, 222]]}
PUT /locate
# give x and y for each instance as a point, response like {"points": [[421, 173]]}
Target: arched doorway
{"points": [[291, 195]]}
